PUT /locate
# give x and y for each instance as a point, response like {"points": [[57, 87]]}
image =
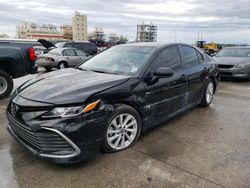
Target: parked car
{"points": [[62, 58], [16, 60], [106, 103], [234, 62], [88, 47]]}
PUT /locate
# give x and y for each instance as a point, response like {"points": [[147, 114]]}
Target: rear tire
{"points": [[6, 84], [208, 93], [120, 136], [62, 65]]}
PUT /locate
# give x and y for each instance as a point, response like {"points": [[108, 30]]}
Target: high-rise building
{"points": [[146, 33], [80, 27]]}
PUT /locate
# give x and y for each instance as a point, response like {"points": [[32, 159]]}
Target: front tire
{"points": [[48, 69], [123, 130], [6, 84], [208, 93]]}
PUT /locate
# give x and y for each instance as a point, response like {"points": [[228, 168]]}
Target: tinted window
{"points": [[169, 57], [68, 45], [80, 53], [68, 53], [189, 56], [200, 57], [78, 45]]}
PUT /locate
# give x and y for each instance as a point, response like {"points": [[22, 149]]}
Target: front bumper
{"points": [[243, 73], [61, 144]]}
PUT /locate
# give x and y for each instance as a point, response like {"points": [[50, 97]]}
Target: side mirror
{"points": [[164, 72]]}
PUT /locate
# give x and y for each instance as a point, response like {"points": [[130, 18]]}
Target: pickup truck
{"points": [[16, 60]]}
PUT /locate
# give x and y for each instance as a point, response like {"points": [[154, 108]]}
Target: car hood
{"points": [[68, 86], [232, 60]]}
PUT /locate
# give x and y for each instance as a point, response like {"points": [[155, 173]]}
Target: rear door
{"points": [[165, 96], [194, 71]]}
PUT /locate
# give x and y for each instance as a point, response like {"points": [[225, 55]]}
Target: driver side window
{"points": [[169, 58]]}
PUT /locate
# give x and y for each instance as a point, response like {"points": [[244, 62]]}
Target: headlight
{"points": [[243, 65], [71, 111]]}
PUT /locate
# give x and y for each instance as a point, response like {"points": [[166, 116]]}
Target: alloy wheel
{"points": [[210, 92], [3, 85], [122, 131], [62, 66]]}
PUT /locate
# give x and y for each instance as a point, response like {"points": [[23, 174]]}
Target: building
{"points": [[35, 31], [97, 35], [113, 37], [67, 32], [146, 33], [80, 27]]}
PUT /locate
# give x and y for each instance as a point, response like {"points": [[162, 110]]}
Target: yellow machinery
{"points": [[209, 48]]}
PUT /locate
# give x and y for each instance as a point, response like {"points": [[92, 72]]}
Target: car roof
{"points": [[156, 45], [64, 48], [75, 42]]}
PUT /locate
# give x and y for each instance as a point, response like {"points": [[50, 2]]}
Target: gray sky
{"points": [[219, 20]]}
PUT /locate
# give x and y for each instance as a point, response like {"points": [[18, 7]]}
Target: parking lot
{"points": [[205, 147]]}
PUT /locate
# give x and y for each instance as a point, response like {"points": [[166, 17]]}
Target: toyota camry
{"points": [[106, 103]]}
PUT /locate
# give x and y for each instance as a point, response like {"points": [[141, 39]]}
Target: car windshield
{"points": [[59, 44], [55, 52], [119, 59], [234, 52]]}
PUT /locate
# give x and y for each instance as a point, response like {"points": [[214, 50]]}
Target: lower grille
{"points": [[46, 141], [225, 66]]}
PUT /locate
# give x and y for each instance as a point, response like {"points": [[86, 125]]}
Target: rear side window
{"points": [[200, 57], [168, 58], [189, 56], [78, 46]]}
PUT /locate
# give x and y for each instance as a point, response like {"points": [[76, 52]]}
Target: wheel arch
{"points": [[63, 61], [132, 105]]}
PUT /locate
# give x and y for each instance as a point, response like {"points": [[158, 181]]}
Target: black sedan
{"points": [[105, 104], [234, 62]]}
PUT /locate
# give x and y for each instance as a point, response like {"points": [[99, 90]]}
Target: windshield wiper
{"points": [[80, 68], [99, 71]]}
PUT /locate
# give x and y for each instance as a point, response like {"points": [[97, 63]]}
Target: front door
{"points": [[165, 96], [70, 57], [81, 55]]}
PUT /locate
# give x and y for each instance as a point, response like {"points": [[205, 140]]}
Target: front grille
{"points": [[43, 141], [221, 66]]}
